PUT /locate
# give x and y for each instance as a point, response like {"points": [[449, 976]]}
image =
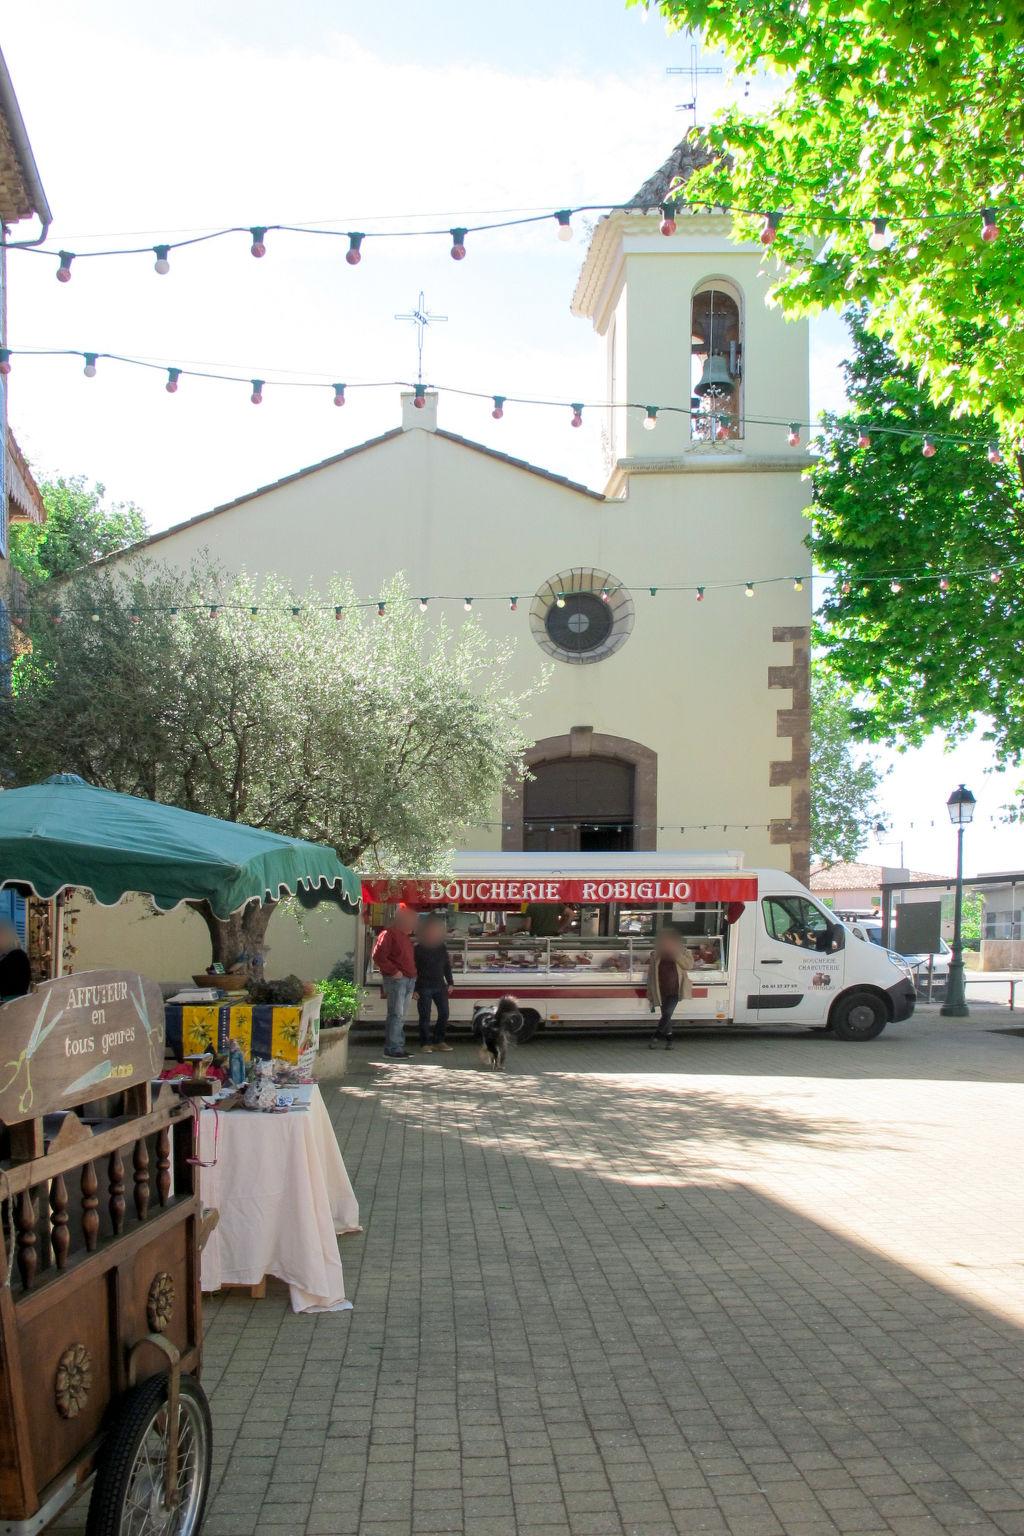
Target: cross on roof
{"points": [[421, 318]]}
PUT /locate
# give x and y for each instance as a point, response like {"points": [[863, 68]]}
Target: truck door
{"points": [[798, 961]]}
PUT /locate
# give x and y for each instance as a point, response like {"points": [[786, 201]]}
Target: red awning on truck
{"points": [[493, 891]]}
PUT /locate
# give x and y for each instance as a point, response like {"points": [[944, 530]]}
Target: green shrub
{"points": [[341, 1000]]}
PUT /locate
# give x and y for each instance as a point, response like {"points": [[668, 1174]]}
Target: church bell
{"points": [[716, 378]]}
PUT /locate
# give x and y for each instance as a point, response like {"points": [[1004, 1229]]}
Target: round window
{"points": [[581, 615]]}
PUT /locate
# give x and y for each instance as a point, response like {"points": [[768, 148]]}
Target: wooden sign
{"points": [[78, 1038]]}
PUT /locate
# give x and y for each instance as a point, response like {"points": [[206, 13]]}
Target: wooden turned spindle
{"points": [[140, 1162], [60, 1237], [115, 1204], [163, 1165], [90, 1206], [28, 1255]]}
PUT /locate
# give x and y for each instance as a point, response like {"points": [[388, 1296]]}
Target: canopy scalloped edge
{"points": [[187, 901]]}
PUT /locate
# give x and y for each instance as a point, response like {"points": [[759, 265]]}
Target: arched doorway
{"points": [[579, 804], [595, 790]]}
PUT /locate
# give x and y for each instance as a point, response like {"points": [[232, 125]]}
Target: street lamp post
{"points": [[960, 806]]}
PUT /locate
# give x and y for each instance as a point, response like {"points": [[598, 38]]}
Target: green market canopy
{"points": [[65, 832]]}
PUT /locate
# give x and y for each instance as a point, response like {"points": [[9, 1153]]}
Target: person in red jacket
{"points": [[393, 957]]}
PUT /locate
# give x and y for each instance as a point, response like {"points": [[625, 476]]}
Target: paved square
{"points": [[755, 1286]]}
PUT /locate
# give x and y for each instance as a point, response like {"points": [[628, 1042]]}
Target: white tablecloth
{"points": [[283, 1193]]}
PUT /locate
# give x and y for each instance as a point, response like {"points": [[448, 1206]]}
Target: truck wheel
{"points": [[529, 1027], [860, 1016], [128, 1495]]}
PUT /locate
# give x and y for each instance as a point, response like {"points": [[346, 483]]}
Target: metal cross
{"points": [[694, 71], [421, 318]]}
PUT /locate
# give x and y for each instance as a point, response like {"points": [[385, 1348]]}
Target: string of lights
{"points": [[543, 824], [699, 591], [718, 424], [881, 229]]}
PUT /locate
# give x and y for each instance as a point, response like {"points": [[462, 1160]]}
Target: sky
{"points": [[153, 122]]}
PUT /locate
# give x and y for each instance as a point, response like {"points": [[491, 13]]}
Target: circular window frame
{"points": [[590, 580]]}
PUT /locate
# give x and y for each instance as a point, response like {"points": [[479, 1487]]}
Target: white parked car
{"points": [[871, 929]]}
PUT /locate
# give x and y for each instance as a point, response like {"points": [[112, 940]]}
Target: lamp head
{"points": [[960, 806]]}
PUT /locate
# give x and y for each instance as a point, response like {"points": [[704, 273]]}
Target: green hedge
{"points": [[341, 1000]]}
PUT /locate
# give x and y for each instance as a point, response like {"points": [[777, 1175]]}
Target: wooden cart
{"points": [[100, 1310]]}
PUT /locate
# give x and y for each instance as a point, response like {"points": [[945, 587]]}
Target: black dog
{"points": [[496, 1028]]}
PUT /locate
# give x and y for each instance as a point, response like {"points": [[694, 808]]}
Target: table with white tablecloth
{"points": [[283, 1195]]}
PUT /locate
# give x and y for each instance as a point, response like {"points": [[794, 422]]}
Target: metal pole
{"points": [[955, 1006]]}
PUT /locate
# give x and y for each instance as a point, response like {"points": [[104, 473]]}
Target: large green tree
{"points": [[79, 527], [844, 783], [308, 715], [913, 621], [900, 109]]}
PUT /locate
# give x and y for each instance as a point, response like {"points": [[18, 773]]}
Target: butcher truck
{"points": [[570, 935]]}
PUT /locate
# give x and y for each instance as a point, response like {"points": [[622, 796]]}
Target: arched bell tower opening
{"points": [[587, 792], [716, 361]]}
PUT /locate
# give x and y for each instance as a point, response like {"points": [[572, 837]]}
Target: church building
{"points": [[672, 719]]}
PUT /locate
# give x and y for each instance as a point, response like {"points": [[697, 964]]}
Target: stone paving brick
{"points": [[763, 1285]]}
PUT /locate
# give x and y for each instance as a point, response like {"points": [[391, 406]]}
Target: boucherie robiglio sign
{"points": [[496, 892]]}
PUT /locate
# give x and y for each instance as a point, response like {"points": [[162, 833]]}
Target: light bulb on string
{"points": [[793, 436], [798, 583], [605, 595], [94, 616], [943, 583], [748, 590], [172, 613], [259, 235], [135, 617], [458, 250], [564, 222], [354, 253], [380, 610], [560, 600], [995, 577], [253, 611], [994, 454], [5, 361], [881, 235], [423, 605], [846, 588], [214, 610], [513, 605], [64, 270], [499, 407], [338, 611], [895, 586], [296, 610], [928, 448], [651, 417], [90, 364], [339, 394], [989, 226], [668, 219], [162, 263], [419, 396], [467, 604], [577, 416], [722, 429], [173, 375], [863, 439], [769, 229], [653, 591], [700, 594], [257, 392]]}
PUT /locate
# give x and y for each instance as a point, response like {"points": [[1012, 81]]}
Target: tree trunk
{"points": [[240, 936]]}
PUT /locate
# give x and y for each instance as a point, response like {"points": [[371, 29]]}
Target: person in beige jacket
{"points": [[668, 980]]}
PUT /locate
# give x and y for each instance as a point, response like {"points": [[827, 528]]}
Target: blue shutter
{"points": [[15, 909]]}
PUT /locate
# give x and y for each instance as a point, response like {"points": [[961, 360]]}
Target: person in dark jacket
{"points": [[433, 983], [668, 980], [15, 971]]}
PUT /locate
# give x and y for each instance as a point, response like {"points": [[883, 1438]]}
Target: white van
{"points": [[570, 936]]}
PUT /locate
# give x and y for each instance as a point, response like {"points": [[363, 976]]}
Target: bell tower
{"points": [[705, 379], [689, 334]]}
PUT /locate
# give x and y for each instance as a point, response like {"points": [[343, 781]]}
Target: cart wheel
{"points": [[128, 1497]]}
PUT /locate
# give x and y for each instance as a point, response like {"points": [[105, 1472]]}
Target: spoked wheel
{"points": [[129, 1498]]}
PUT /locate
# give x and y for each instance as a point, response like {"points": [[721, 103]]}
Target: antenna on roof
{"points": [[695, 72]]}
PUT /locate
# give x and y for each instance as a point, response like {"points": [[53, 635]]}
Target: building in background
{"points": [[1002, 924], [674, 719], [21, 198]]}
